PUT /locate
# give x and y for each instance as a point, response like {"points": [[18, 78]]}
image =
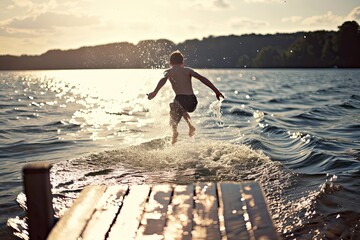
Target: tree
{"points": [[243, 61], [268, 57], [308, 50], [348, 44], [328, 54]]}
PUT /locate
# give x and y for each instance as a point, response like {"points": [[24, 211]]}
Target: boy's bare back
{"points": [[180, 79]]}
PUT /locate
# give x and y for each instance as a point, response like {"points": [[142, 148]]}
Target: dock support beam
{"points": [[40, 211]]}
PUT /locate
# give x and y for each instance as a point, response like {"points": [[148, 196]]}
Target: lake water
{"points": [[297, 132]]}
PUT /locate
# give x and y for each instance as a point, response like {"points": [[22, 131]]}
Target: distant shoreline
{"points": [[318, 49]]}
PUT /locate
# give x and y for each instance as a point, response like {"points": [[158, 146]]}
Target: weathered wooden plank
{"points": [[200, 211], [257, 209], [206, 219], [233, 209], [105, 213], [128, 220], [37, 189], [73, 222], [154, 218], [180, 214]]}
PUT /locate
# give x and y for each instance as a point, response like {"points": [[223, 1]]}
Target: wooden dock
{"points": [[203, 210]]}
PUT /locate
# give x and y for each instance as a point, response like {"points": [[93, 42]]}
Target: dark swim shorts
{"points": [[181, 104]]}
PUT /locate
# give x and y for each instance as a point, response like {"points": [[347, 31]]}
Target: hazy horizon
{"points": [[136, 43]]}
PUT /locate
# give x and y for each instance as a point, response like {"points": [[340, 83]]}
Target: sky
{"points": [[34, 26]]}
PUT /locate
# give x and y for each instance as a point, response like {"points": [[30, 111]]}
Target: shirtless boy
{"points": [[185, 101]]}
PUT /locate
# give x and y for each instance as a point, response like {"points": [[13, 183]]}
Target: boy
{"points": [[185, 100]]}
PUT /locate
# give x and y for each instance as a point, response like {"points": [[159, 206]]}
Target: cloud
{"points": [[16, 33], [221, 3], [263, 1], [36, 18], [49, 20], [247, 23], [354, 14], [207, 5], [292, 19], [328, 19], [21, 3], [33, 7]]}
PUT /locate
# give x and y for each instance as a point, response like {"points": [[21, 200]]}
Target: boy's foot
{"points": [[174, 137], [191, 131]]}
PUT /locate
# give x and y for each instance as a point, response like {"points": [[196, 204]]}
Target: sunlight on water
{"points": [[105, 111], [99, 127]]}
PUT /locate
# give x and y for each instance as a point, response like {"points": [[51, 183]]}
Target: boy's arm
{"points": [[158, 87], [207, 82]]}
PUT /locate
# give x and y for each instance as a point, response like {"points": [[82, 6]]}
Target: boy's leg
{"points": [[175, 134], [175, 116], [188, 120]]}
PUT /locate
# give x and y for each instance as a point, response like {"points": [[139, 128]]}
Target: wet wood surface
{"points": [[202, 210]]}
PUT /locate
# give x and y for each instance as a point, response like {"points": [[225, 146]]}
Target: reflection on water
{"points": [[107, 110], [296, 132]]}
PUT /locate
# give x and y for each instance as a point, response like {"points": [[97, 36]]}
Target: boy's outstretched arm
{"points": [[160, 84], [207, 82]]}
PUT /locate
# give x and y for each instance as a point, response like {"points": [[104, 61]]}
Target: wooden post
{"points": [[40, 211]]}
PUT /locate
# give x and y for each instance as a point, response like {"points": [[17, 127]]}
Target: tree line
{"points": [[318, 49]]}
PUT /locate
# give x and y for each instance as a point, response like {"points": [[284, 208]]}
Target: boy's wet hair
{"points": [[176, 58]]}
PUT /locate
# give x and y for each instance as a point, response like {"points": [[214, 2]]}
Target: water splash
{"points": [[215, 108]]}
